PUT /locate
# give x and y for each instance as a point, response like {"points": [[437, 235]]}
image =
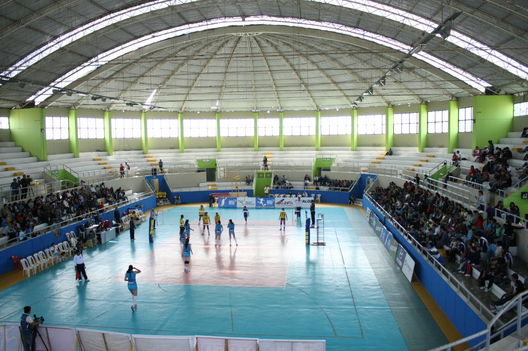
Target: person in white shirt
{"points": [[80, 267]]}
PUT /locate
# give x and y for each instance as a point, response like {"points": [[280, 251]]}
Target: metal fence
{"points": [[76, 339]]}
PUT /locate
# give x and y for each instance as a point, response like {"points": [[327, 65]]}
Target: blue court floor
{"points": [[271, 286]]}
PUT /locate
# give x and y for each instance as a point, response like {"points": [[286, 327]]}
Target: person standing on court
{"points": [[231, 227], [283, 217], [130, 277], [246, 213], [312, 213], [80, 267], [160, 164], [132, 228]]}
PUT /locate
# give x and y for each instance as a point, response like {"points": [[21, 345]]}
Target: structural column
{"points": [[108, 142], [354, 131], [422, 128], [144, 133], [452, 126], [255, 132], [218, 136], [281, 131], [181, 140], [72, 133], [317, 130], [389, 128]]}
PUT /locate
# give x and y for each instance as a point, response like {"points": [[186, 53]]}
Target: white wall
{"points": [[56, 147], [436, 140], [91, 145]]}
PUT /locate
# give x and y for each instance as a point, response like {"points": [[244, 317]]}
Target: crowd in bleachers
{"points": [[333, 184], [437, 222], [18, 219]]}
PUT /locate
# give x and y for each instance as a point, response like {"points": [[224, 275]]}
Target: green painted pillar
{"points": [[72, 133], [389, 128], [452, 126], [108, 141], [255, 132], [317, 130], [181, 140], [493, 115], [422, 128], [354, 132], [144, 132], [218, 136], [28, 130], [281, 131]]}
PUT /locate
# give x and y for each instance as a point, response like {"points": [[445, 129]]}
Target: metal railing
{"points": [[33, 191], [513, 326], [515, 219], [449, 277], [57, 226], [520, 183], [457, 193]]}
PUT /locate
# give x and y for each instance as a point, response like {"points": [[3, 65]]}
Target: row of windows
{"points": [[130, 128]]}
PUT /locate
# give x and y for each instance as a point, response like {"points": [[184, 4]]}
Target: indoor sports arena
{"points": [[263, 175]]}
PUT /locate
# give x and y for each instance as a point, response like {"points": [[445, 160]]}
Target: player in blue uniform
{"points": [[219, 228], [187, 230], [186, 254], [246, 213], [130, 277], [231, 227]]}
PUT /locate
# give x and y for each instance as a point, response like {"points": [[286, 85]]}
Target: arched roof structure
{"points": [[251, 55]]}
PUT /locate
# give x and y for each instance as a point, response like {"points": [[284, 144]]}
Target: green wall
{"points": [[206, 163], [493, 115], [74, 140], [452, 132], [516, 197], [262, 179], [28, 131]]}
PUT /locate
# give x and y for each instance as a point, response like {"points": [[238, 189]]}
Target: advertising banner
{"points": [[265, 202], [227, 202], [400, 256], [408, 267], [249, 202], [285, 202]]}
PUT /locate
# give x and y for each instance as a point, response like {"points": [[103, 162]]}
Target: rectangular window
{"points": [[268, 127], [465, 120], [90, 128], [296, 126], [437, 122], [239, 127], [406, 123], [199, 128], [339, 125], [163, 128], [371, 124], [56, 128], [126, 128], [4, 122], [520, 109]]}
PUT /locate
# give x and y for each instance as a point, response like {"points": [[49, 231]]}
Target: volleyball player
{"points": [[201, 213], [246, 213], [219, 228], [130, 277], [283, 217], [217, 218], [206, 219], [187, 230], [231, 227], [182, 225], [186, 254]]}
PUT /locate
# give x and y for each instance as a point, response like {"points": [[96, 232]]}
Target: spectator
{"points": [[516, 287]]}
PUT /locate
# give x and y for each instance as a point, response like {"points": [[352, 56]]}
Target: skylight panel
{"points": [[136, 44], [367, 6]]}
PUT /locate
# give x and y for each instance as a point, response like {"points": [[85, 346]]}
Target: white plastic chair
{"points": [[67, 248], [44, 259], [38, 261], [51, 258], [33, 263], [28, 269]]}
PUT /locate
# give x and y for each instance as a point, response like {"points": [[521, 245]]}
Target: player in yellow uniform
{"points": [[283, 217], [217, 218], [182, 225], [206, 219], [201, 213]]}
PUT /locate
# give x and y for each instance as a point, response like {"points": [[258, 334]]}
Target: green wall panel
{"points": [[108, 141], [28, 131], [493, 115], [422, 128], [74, 139], [452, 126], [389, 128]]}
